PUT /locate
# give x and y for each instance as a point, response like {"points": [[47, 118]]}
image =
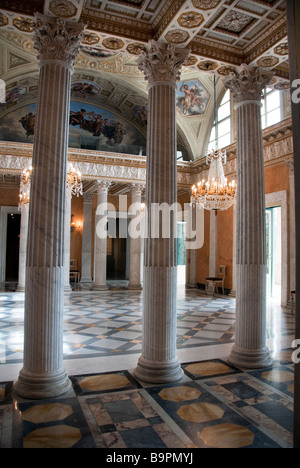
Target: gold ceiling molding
{"points": [[190, 19], [62, 8], [206, 4], [3, 20], [113, 43], [24, 24], [223, 32]]}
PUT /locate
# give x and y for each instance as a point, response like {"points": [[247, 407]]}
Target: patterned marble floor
{"points": [[214, 406], [106, 324], [100, 324]]}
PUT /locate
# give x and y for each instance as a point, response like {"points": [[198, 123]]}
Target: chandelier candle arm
{"points": [[215, 193]]}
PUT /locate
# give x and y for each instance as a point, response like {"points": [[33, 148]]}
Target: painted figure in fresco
{"points": [[141, 112], [28, 123], [95, 124], [76, 118], [84, 88], [191, 97]]}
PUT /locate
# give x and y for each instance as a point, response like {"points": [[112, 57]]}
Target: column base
{"points": [[249, 358], [135, 287], [68, 288], [100, 287], [191, 285], [41, 386], [20, 288], [86, 280], [158, 372]]}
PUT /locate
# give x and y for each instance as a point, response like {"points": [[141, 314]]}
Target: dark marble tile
{"points": [[124, 410], [142, 437]]}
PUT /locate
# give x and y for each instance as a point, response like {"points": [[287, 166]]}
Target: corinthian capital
{"points": [[162, 62], [247, 83], [55, 39]]}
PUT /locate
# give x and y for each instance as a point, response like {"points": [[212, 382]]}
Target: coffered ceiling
{"points": [[221, 34]]}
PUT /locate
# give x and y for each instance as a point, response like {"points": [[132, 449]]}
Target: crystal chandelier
{"points": [[74, 182], [24, 194], [216, 193]]}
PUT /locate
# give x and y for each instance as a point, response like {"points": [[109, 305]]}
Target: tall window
{"points": [[271, 111], [221, 131]]}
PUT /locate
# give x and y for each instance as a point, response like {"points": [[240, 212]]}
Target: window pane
{"points": [[273, 101], [224, 111], [213, 134], [224, 127], [226, 97], [273, 117], [224, 141]]}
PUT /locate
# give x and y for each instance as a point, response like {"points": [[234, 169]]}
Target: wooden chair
{"points": [[74, 272], [216, 281]]}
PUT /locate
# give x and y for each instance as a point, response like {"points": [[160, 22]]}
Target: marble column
{"points": [[135, 238], [293, 16], [101, 239], [67, 241], [250, 349], [43, 374], [213, 244], [161, 65], [23, 247], [290, 165], [86, 252]]}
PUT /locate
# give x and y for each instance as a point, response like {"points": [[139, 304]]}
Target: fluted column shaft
{"points": [[135, 239], [250, 348], [23, 247], [68, 241], [43, 374], [293, 17], [158, 363], [86, 254], [101, 240]]}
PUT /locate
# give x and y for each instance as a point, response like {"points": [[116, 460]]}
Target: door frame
{"points": [[273, 200], [4, 211]]}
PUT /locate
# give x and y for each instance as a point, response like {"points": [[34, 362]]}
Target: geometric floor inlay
{"points": [[113, 410]]}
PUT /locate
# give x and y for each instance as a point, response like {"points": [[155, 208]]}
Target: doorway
{"points": [[117, 253], [12, 248], [274, 254]]}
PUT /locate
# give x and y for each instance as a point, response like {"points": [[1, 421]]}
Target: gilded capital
{"points": [[55, 39], [247, 83], [162, 62]]}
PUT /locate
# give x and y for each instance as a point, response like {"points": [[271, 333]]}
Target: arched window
{"points": [[221, 131]]}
